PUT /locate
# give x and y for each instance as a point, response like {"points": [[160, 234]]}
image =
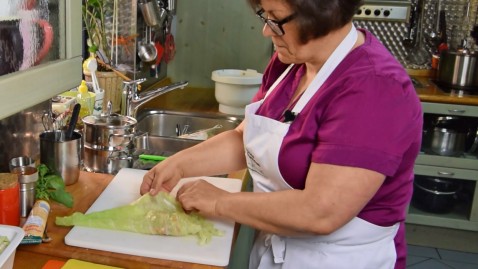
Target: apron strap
{"points": [[277, 245], [329, 66]]}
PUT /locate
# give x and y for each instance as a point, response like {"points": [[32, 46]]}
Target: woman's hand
{"points": [[162, 177], [200, 196]]}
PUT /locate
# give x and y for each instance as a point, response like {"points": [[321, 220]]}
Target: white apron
{"points": [[358, 244]]}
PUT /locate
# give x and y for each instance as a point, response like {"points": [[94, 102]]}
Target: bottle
{"points": [[84, 99]]}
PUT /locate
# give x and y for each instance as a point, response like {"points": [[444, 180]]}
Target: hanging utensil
{"points": [[417, 54], [150, 11], [47, 121], [443, 45], [411, 39], [169, 44], [147, 51]]}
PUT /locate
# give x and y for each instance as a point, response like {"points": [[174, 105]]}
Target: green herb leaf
{"points": [[51, 186], [62, 197]]}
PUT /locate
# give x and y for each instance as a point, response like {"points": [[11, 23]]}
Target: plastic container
{"points": [[234, 89], [15, 235], [85, 99]]}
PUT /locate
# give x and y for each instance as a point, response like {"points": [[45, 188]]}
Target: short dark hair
{"points": [[317, 18]]}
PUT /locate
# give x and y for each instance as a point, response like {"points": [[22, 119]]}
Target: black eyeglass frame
{"points": [[275, 25]]}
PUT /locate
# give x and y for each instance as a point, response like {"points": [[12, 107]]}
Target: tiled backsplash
{"points": [[20, 134]]}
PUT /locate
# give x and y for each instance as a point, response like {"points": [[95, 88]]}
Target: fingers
{"points": [[149, 183], [199, 196]]}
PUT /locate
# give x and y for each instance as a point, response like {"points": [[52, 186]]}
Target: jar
{"points": [[9, 199]]}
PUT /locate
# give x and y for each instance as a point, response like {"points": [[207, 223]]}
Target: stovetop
{"points": [[458, 91]]}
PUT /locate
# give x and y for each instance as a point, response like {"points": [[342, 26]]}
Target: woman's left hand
{"points": [[200, 196]]}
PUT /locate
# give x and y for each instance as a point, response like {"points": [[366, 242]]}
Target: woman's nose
{"points": [[267, 31]]}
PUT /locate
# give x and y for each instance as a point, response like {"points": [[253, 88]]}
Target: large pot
{"points": [[436, 195], [446, 136], [458, 69], [108, 142]]}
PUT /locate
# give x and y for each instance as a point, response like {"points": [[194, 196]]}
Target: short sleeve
{"points": [[366, 125]]}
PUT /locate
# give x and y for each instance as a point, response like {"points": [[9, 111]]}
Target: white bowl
{"points": [[15, 235], [234, 89]]}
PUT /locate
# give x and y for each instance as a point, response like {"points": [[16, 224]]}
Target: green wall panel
{"points": [[216, 34]]}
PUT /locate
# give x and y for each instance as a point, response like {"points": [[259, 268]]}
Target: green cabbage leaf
{"points": [[159, 215]]}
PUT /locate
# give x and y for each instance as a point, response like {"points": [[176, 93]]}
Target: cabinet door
{"points": [[47, 38]]}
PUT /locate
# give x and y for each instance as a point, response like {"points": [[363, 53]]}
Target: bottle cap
{"points": [[83, 88]]}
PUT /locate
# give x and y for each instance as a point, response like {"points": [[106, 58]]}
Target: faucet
{"points": [[131, 100]]}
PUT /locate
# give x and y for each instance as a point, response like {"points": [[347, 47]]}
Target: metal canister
{"points": [[27, 178]]}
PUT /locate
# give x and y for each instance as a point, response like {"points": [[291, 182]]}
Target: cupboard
{"points": [[463, 168]]}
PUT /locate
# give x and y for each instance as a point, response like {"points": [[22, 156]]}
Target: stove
{"points": [[458, 91]]}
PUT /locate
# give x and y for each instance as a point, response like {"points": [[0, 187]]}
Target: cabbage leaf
{"points": [[159, 215]]}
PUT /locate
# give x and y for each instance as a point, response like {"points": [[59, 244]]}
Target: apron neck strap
{"points": [[329, 66]]}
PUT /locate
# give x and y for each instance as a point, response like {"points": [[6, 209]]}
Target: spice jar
{"points": [[27, 178], [9, 199]]}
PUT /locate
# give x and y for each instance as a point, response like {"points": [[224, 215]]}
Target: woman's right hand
{"points": [[162, 177]]}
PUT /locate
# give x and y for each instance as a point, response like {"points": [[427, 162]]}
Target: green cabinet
{"points": [[463, 168]]}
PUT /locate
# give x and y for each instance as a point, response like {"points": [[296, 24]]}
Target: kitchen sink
{"points": [[166, 130], [174, 123]]}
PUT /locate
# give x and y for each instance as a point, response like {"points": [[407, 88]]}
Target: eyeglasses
{"points": [[276, 26]]}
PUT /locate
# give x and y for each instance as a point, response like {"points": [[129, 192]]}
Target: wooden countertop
{"points": [[85, 192], [428, 91], [203, 100]]}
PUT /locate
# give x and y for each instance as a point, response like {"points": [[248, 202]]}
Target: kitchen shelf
{"points": [[455, 219], [446, 172], [465, 168], [466, 161]]}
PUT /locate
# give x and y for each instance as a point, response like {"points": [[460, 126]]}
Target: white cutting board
{"points": [[123, 189]]}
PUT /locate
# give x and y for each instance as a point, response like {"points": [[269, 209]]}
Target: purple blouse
{"points": [[366, 114]]}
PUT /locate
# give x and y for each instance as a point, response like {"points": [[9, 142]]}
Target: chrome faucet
{"points": [[131, 100]]}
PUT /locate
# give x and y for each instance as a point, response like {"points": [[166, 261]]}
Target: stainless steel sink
{"points": [[163, 128], [174, 123]]}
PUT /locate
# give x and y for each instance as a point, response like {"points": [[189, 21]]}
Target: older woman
{"points": [[330, 142]]}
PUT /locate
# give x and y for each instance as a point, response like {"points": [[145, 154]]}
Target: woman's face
{"points": [[287, 45]]}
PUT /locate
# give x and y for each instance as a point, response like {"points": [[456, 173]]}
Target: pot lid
{"points": [[111, 121]]}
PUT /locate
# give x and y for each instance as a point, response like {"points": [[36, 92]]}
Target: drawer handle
{"points": [[457, 111], [441, 173]]}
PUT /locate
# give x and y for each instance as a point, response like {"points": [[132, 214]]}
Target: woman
{"points": [[330, 141]]}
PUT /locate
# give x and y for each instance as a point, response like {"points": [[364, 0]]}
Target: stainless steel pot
{"points": [[447, 135], [106, 161], [448, 142], [108, 142], [114, 132], [458, 69]]}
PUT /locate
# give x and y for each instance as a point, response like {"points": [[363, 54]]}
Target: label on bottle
{"points": [[36, 222], [98, 107]]}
